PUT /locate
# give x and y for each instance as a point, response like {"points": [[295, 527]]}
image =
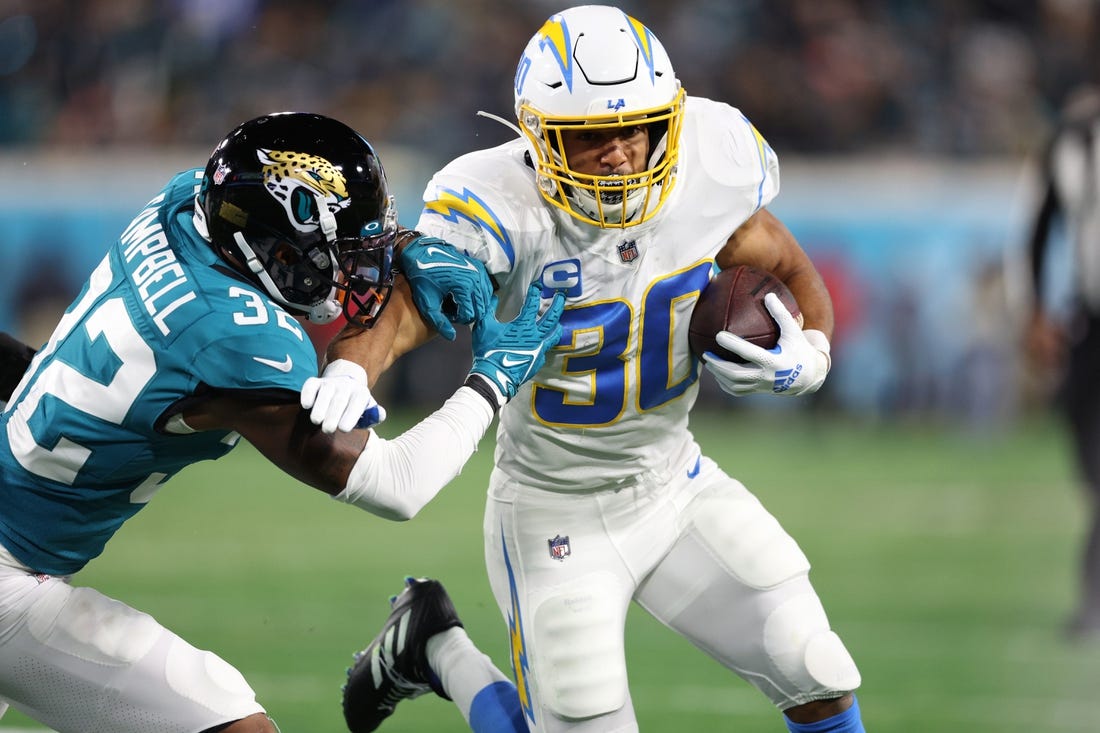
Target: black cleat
{"points": [[394, 666]]}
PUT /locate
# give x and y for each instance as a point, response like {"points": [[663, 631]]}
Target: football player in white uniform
{"points": [[625, 195]]}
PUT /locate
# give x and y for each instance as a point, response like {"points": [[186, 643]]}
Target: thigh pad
{"points": [[579, 663], [747, 539]]}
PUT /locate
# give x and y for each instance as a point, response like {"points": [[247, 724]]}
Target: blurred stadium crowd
{"points": [[952, 77], [878, 109]]}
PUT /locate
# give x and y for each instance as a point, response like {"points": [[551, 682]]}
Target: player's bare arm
{"points": [[764, 241], [399, 330], [389, 477], [284, 434]]}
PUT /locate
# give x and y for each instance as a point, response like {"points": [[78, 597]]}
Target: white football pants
{"points": [[81, 662], [694, 548]]}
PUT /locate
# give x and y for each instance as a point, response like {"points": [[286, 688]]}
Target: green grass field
{"points": [[946, 560]]}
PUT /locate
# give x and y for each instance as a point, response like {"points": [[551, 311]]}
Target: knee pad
{"points": [[829, 663], [204, 677], [579, 663], [806, 652]]}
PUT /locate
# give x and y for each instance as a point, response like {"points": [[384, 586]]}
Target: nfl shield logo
{"points": [[559, 547], [628, 251], [219, 174]]}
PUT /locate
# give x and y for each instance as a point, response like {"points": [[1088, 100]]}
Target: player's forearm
{"points": [[813, 300], [398, 331], [394, 479], [763, 241]]}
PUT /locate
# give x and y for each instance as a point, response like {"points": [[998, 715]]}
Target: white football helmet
{"points": [[596, 66]]}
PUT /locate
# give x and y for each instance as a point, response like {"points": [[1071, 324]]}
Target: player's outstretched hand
{"points": [[447, 286], [340, 399], [798, 364], [508, 354]]}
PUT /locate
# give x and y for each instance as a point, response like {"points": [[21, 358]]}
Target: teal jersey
{"points": [[88, 436]]}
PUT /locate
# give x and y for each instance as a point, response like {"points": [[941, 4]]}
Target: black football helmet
{"points": [[298, 203]]}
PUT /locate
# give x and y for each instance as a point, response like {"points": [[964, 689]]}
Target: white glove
{"points": [[796, 365], [341, 399]]}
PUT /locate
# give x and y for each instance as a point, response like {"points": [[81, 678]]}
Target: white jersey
{"points": [[613, 398]]}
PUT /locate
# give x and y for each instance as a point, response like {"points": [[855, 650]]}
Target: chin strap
{"points": [[324, 312], [326, 220], [252, 262], [327, 310]]}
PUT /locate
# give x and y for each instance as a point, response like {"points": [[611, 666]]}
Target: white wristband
{"points": [[394, 479]]}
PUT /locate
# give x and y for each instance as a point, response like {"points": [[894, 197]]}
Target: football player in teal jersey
{"points": [[185, 339]]}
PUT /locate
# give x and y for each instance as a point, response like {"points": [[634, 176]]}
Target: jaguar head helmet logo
{"points": [[302, 183]]}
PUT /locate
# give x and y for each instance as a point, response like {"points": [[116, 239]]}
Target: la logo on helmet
{"points": [[616, 104]]}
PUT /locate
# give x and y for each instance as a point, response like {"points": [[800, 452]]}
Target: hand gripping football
{"points": [[734, 301]]}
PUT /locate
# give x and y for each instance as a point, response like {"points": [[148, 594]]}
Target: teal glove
{"points": [[447, 285], [508, 354]]}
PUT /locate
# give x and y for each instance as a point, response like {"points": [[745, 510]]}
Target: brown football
{"points": [[733, 301]]}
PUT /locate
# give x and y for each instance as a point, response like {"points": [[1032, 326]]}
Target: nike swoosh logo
{"points": [[694, 470], [283, 366], [510, 361], [455, 262]]}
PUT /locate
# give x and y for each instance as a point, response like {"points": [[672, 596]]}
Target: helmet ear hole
{"points": [[285, 254]]}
